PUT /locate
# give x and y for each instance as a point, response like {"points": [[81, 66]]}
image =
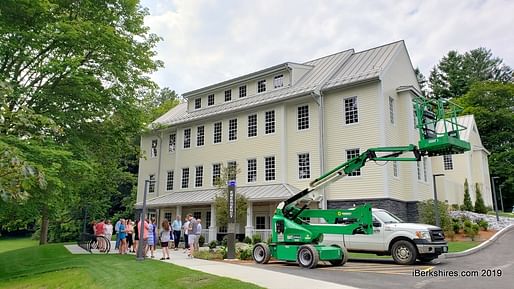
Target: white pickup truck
{"points": [[406, 242]]}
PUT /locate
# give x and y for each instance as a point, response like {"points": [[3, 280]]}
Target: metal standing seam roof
{"points": [[328, 72], [276, 192]]}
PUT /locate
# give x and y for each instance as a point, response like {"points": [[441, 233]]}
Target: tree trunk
{"points": [[43, 238]]}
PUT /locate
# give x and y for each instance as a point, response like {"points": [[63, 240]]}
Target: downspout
{"points": [[318, 98], [158, 177]]}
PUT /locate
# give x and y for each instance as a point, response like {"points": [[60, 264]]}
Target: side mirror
{"points": [[377, 224]]}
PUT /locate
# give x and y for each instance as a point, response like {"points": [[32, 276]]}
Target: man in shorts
{"points": [[193, 228]]}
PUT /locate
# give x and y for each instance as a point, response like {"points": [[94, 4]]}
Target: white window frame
{"points": [[154, 151], [251, 170], [448, 162], [302, 117], [169, 180], [391, 110], [418, 171], [351, 112], [228, 95], [278, 81], [184, 184], [216, 172], [260, 216], [252, 126], [242, 91], [151, 184], [269, 124], [304, 166], [350, 154], [200, 135], [198, 176], [229, 165], [187, 141], [232, 129], [261, 86], [172, 143], [210, 100], [198, 103], [270, 171], [216, 132]]}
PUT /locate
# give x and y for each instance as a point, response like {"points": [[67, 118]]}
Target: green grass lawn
{"points": [[460, 246], [10, 244], [502, 214], [52, 266]]}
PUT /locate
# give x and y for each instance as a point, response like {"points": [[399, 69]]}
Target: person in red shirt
{"points": [[100, 229], [143, 242]]}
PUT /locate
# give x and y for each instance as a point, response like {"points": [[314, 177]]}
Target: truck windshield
{"points": [[387, 217]]}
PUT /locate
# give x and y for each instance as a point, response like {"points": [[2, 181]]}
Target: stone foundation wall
{"points": [[407, 211]]}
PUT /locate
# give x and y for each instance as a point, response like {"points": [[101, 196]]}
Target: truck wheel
{"points": [[261, 253], [341, 261], [404, 252], [307, 257]]}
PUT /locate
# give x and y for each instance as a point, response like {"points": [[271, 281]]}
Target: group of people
{"points": [[127, 235]]}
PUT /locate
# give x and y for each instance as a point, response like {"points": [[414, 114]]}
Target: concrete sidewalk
{"points": [[265, 278]]}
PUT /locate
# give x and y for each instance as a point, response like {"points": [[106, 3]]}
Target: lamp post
{"points": [[501, 197], [140, 248], [494, 197], [436, 205]]}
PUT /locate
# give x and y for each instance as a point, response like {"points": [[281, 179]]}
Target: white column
{"points": [[213, 229], [179, 212], [249, 220]]}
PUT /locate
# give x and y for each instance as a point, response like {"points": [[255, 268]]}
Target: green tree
{"points": [[221, 199], [453, 76], [468, 204], [427, 214], [479, 203]]}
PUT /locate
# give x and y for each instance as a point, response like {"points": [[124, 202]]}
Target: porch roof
{"points": [[275, 192]]}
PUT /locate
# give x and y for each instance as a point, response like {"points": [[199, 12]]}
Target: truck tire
{"points": [[261, 253], [404, 252], [341, 261], [307, 257]]}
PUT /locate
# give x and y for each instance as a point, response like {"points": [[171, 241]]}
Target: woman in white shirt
{"points": [[108, 230]]}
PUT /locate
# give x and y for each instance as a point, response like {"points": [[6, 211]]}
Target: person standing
{"points": [[198, 234], [176, 226], [108, 230], [164, 236], [144, 242], [130, 229], [136, 237], [122, 236], [100, 233], [185, 227], [192, 231], [117, 230], [152, 237]]}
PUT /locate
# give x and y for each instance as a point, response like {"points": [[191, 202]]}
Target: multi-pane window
{"points": [[278, 81], [232, 129], [217, 132], [216, 173], [153, 149], [197, 215], [260, 222], [252, 125], [395, 169], [232, 170], [208, 219], [425, 169], [185, 178], [252, 170], [415, 118], [269, 122], [210, 99], [198, 103], [169, 181], [167, 216], [391, 110], [261, 86], [151, 185], [242, 91], [172, 143], [199, 176], [200, 136], [303, 117], [351, 154], [418, 170], [228, 95], [448, 162], [304, 168], [269, 168], [187, 138], [350, 110]]}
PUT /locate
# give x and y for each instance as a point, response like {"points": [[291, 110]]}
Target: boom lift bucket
{"points": [[439, 131]]}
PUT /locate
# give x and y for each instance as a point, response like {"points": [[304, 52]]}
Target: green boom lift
{"points": [[294, 238]]}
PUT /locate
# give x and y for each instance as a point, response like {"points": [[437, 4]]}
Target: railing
{"points": [[264, 233], [205, 234], [90, 242]]}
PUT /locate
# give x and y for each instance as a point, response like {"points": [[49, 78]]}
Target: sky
{"points": [[206, 42]]}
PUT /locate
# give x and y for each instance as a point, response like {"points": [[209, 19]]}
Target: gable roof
{"points": [[467, 121], [332, 71]]}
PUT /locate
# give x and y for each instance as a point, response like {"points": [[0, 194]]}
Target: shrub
{"points": [[467, 224], [427, 216], [450, 234], [213, 244], [471, 231], [224, 241], [455, 207], [247, 240], [479, 203], [201, 241], [223, 252], [483, 224], [257, 238], [468, 204], [208, 255], [456, 227], [245, 253]]}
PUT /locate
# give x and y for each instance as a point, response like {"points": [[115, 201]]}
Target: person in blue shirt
{"points": [[123, 236], [177, 227], [117, 230]]}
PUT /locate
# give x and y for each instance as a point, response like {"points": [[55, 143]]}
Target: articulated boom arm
{"points": [[289, 208]]}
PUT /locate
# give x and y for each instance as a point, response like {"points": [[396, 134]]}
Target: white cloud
{"points": [[210, 41]]}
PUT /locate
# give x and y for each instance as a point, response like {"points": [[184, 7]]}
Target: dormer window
{"points": [[278, 81], [198, 103], [261, 86], [210, 99], [242, 91], [228, 95]]}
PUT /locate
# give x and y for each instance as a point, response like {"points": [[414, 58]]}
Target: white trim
{"points": [[190, 138], [275, 167], [298, 166], [343, 106], [308, 117]]}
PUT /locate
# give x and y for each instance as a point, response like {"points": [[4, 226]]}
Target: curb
{"points": [[481, 246]]}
